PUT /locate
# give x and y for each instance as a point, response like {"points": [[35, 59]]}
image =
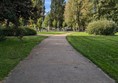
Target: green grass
{"points": [[51, 33], [102, 50], [116, 33], [13, 50]]}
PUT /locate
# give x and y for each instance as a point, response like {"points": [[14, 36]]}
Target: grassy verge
{"points": [[102, 50], [51, 33], [12, 51]]}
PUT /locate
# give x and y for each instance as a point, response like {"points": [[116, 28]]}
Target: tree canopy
{"points": [[57, 11], [72, 13], [78, 13]]}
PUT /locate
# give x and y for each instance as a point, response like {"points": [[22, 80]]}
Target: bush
{"points": [[2, 36], [29, 31], [24, 31], [102, 27], [8, 31]]}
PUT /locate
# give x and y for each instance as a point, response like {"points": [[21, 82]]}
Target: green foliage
{"points": [[77, 13], [57, 11], [19, 11], [46, 21], [102, 27], [27, 31], [106, 9], [38, 10], [64, 24], [39, 23], [55, 24], [21, 31], [18, 32], [115, 14], [21, 21], [2, 36], [8, 31], [12, 10]]}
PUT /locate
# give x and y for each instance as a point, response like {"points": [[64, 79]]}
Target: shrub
{"points": [[29, 31], [2, 36], [102, 27], [24, 31], [8, 31]]}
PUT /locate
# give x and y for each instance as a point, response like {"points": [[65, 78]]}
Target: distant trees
{"points": [[73, 13], [38, 10], [78, 13], [57, 11], [39, 23], [54, 23], [47, 22]]}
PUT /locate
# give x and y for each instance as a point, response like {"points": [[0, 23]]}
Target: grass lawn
{"points": [[102, 50], [52, 33], [12, 51]]}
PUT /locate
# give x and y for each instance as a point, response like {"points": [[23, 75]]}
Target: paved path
{"points": [[55, 61]]}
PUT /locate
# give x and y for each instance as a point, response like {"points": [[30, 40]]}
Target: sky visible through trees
{"points": [[47, 5]]}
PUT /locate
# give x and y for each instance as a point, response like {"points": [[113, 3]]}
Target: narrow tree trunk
{"points": [[7, 24]]}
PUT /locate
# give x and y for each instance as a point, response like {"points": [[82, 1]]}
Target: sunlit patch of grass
{"points": [[102, 50]]}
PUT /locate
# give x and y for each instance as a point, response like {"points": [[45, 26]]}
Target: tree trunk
{"points": [[7, 24]]}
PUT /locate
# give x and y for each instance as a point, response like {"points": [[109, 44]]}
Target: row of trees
{"points": [[55, 18], [78, 13], [73, 13]]}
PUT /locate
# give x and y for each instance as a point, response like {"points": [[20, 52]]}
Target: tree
{"points": [[39, 23], [12, 10], [57, 11], [64, 24], [46, 21], [39, 10], [106, 9], [115, 14], [76, 13], [55, 24]]}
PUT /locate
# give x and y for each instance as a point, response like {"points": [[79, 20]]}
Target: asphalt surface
{"points": [[55, 61]]}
